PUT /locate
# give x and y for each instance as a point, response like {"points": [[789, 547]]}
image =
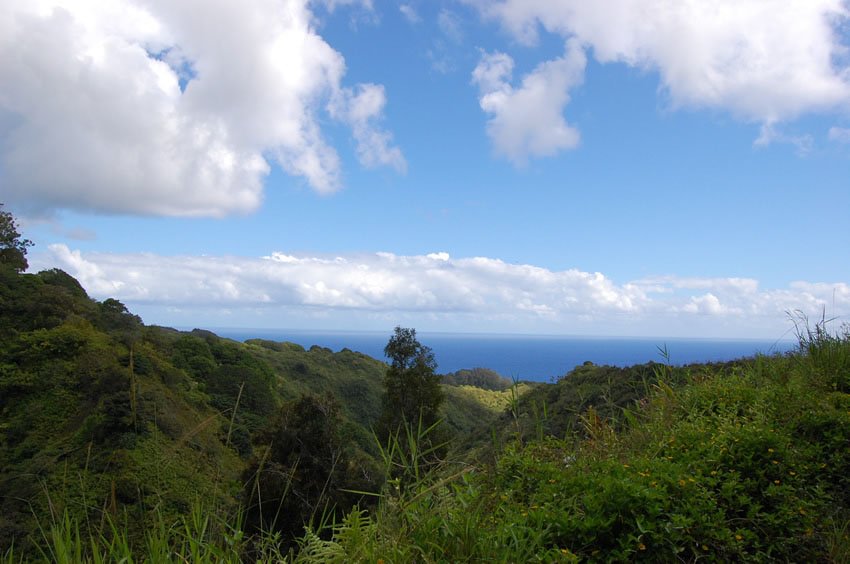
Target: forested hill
{"points": [[100, 412]]}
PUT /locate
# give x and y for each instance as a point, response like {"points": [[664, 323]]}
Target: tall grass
{"points": [[823, 350]]}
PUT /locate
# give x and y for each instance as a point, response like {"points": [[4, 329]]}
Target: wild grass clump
{"points": [[824, 352], [442, 514], [203, 535]]}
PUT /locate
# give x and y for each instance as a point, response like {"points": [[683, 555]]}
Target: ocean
{"points": [[540, 358]]}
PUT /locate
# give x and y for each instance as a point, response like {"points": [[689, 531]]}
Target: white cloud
{"points": [[438, 256], [450, 25], [334, 4], [379, 282], [410, 13], [764, 62], [724, 285], [707, 304], [478, 290], [742, 297], [528, 121], [834, 296], [169, 108], [362, 108], [839, 134], [769, 134]]}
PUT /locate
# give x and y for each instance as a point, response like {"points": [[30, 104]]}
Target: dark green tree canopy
{"points": [[13, 249], [413, 392], [303, 472], [405, 352]]}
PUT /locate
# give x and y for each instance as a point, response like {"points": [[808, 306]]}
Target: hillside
{"points": [[100, 414], [121, 440]]}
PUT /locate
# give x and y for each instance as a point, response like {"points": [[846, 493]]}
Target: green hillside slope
{"points": [[101, 415]]}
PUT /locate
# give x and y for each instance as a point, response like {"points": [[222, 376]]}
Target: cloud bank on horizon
{"points": [[438, 287], [173, 108]]}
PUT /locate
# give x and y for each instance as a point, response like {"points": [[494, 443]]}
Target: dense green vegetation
{"points": [[13, 249], [746, 461], [106, 420], [125, 442]]}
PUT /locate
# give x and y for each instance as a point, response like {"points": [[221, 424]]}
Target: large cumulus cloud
{"points": [[172, 108]]}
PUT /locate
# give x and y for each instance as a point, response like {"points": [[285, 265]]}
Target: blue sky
{"points": [[605, 168]]}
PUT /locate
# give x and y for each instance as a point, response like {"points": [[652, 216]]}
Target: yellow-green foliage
{"points": [[469, 408], [494, 401]]}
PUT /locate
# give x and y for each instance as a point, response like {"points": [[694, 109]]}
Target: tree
{"points": [[304, 471], [117, 320], [413, 395], [13, 249]]}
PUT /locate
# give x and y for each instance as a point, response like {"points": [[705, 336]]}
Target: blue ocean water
{"points": [[526, 357]]}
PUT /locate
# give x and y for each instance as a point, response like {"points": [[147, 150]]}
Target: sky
{"points": [[617, 167]]}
